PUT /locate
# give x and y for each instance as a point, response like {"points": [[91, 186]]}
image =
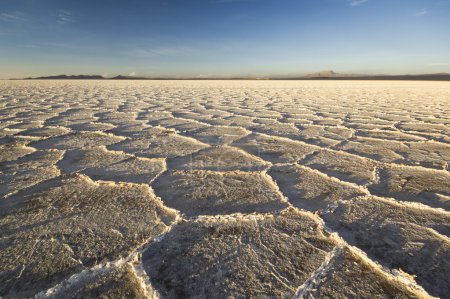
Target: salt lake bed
{"points": [[219, 189]]}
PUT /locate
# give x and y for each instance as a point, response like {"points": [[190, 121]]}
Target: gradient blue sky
{"points": [[223, 37]]}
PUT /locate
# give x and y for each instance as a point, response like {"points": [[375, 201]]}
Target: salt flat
{"points": [[308, 189]]}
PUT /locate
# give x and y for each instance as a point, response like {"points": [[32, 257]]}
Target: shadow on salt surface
{"points": [[112, 282], [100, 164], [28, 170], [81, 140], [347, 268], [70, 223], [311, 190], [428, 186], [220, 158], [275, 149], [237, 256], [414, 239], [350, 168], [218, 135], [200, 192]]}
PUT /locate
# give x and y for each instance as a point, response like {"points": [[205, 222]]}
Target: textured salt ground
{"points": [[211, 192], [220, 158], [75, 223], [413, 239], [95, 174], [268, 255], [311, 190]]}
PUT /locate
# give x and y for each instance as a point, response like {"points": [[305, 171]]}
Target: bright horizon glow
{"points": [[223, 38]]}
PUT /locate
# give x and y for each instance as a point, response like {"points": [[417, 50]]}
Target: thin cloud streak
{"points": [[13, 17], [158, 52], [357, 2], [421, 13], [65, 17], [232, 1]]}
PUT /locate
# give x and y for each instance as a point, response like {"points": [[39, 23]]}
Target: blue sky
{"points": [[223, 37]]}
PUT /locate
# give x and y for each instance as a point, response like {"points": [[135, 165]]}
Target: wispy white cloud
{"points": [[155, 52], [421, 12], [357, 2], [132, 74], [231, 1], [13, 17], [65, 17]]}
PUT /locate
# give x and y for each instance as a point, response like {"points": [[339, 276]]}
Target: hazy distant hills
{"points": [[84, 77], [331, 75], [326, 74], [322, 75]]}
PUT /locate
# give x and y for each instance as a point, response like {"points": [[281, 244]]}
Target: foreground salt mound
{"points": [[45, 131], [90, 126], [9, 152], [377, 149], [389, 135], [100, 164], [344, 166], [218, 135], [429, 154], [351, 276], [138, 138], [161, 144], [414, 239], [238, 256], [171, 146], [80, 140], [428, 186], [29, 170], [324, 135], [180, 125], [311, 190], [268, 255], [132, 170], [202, 192], [73, 223], [274, 149], [79, 159], [117, 282], [220, 158]]}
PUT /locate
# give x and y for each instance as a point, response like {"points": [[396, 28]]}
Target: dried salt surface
{"points": [[275, 149], [348, 268], [221, 158], [428, 186], [75, 223], [311, 190], [45, 132], [265, 256], [218, 135], [14, 151], [80, 140], [200, 192], [346, 167], [28, 171], [114, 282], [413, 239], [241, 161]]}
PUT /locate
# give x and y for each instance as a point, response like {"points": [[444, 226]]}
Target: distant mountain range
{"points": [[331, 75], [322, 75]]}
